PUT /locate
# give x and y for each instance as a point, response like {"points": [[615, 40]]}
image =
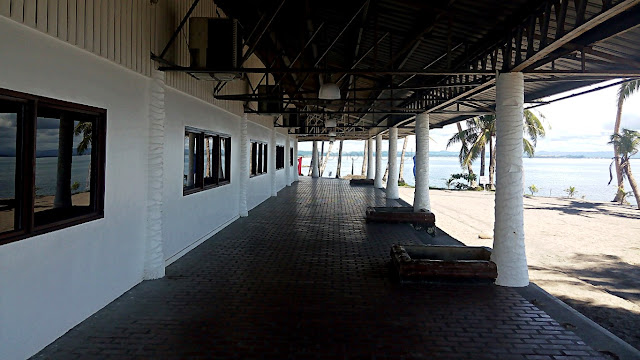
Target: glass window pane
{"points": [[8, 140], [209, 159], [63, 165], [260, 154], [190, 156], [254, 161], [264, 159], [222, 161]]}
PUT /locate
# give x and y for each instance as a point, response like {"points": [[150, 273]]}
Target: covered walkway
{"points": [[303, 277]]}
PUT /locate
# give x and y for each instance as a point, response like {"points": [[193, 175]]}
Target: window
{"points": [[290, 156], [52, 156], [279, 157], [259, 157], [207, 160]]}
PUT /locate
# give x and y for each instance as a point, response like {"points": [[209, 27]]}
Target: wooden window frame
{"points": [[26, 161], [258, 161], [199, 183]]}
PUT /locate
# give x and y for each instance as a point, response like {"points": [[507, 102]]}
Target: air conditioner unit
{"points": [[291, 119], [272, 106], [216, 44]]}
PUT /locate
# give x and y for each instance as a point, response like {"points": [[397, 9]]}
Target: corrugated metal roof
{"points": [[439, 36]]}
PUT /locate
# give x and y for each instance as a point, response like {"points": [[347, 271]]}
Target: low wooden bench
{"points": [[361, 182], [420, 220], [437, 262]]}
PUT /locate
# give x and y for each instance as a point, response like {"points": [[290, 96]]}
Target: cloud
{"points": [[8, 120]]}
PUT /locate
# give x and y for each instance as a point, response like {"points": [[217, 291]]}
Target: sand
{"points": [[585, 253]]}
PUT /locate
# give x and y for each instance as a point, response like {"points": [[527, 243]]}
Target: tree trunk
{"points": [[492, 163], [616, 130], [632, 182], [339, 160], [404, 149], [384, 177], [65, 157], [482, 160], [352, 166], [364, 159], [324, 162]]}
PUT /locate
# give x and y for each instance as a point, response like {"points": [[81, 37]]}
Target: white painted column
{"points": [[296, 175], [392, 177], [315, 171], [379, 168], [370, 167], [244, 166], [272, 163], [287, 154], [154, 265], [508, 239], [421, 195]]}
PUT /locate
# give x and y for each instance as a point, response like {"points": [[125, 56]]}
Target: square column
{"points": [[296, 174], [244, 165], [370, 167], [421, 195], [315, 170], [392, 177], [379, 170], [272, 163], [287, 167], [154, 264], [508, 244]]}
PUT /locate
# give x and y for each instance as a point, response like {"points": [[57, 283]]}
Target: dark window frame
{"points": [[279, 157], [199, 181], [259, 155], [26, 161]]}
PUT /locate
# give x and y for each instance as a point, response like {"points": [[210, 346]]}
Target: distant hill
{"points": [[43, 153], [539, 154]]}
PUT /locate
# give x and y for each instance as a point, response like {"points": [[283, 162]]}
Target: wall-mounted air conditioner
{"points": [[291, 119], [270, 102], [215, 43]]}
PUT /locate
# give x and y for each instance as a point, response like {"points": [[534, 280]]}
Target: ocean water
{"points": [[46, 168], [550, 175]]}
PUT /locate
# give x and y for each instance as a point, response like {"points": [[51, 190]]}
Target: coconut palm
{"points": [[624, 92], [626, 145], [480, 132]]}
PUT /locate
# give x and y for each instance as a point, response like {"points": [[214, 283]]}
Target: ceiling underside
{"points": [[393, 59]]}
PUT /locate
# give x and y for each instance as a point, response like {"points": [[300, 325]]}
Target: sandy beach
{"points": [[585, 253]]}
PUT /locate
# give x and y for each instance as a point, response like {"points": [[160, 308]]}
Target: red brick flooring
{"points": [[303, 277]]}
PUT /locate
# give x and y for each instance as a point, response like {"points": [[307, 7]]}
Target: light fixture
{"points": [[332, 134], [330, 123], [329, 91]]}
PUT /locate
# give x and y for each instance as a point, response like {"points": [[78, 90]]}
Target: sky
{"points": [[579, 124]]}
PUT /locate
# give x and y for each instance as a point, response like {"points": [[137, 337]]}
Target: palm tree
{"points": [[404, 150], [481, 131], [624, 92], [626, 145]]}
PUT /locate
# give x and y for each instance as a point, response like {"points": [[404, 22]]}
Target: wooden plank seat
{"points": [[420, 220], [361, 182]]}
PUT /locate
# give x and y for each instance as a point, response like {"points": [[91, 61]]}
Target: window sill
{"points": [[43, 229]]}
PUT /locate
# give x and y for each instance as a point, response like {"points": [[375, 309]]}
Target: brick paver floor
{"points": [[303, 277]]}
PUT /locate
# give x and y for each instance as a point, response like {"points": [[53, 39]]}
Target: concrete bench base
{"points": [[443, 263]]}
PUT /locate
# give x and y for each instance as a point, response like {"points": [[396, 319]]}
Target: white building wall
{"points": [[194, 217], [50, 283]]}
